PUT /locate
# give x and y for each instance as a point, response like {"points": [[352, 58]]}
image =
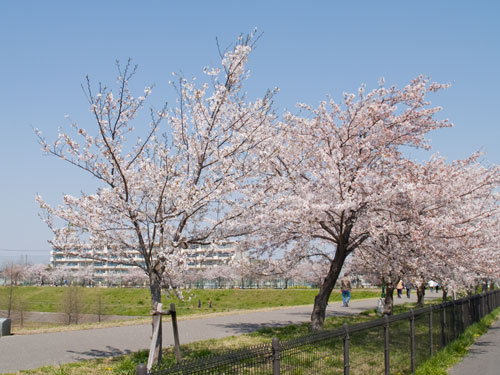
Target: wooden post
{"points": [[156, 334], [177, 344]]}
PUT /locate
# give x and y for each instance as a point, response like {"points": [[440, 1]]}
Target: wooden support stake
{"points": [[156, 332], [176, 333]]}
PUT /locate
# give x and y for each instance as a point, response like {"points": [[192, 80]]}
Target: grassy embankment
{"points": [[136, 301]]}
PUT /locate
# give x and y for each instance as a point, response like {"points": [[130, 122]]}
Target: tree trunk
{"points": [[155, 287], [11, 292], [389, 299], [445, 295], [485, 286], [321, 300], [420, 295]]}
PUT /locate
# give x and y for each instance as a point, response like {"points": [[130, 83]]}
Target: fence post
{"points": [[346, 349], [488, 302], [477, 309], [141, 369], [481, 307], [430, 330], [412, 340], [386, 345], [454, 318], [485, 305], [471, 312], [276, 352], [443, 326], [462, 317]]}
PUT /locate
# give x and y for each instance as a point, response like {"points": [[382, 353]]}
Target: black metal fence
{"points": [[391, 345]]}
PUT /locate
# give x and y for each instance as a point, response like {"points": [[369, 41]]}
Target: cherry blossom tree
{"points": [[37, 274], [84, 275], [115, 277], [135, 277], [220, 273], [261, 270], [60, 274], [12, 274], [175, 186], [310, 271], [437, 220], [332, 171], [193, 276]]}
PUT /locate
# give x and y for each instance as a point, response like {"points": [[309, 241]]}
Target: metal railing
{"points": [[392, 344]]}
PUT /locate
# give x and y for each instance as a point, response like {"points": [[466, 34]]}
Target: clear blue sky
{"points": [[309, 49]]}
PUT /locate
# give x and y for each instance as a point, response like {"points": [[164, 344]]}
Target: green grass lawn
{"points": [[136, 301]]}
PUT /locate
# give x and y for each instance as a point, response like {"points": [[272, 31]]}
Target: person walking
{"points": [[399, 288], [408, 289], [345, 287], [432, 284]]}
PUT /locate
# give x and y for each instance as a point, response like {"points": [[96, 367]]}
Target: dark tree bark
{"points": [[325, 290], [420, 295], [389, 299]]}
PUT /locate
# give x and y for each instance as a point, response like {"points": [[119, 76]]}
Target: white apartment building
{"points": [[198, 257]]}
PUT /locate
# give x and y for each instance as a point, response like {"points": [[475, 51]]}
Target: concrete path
{"points": [[33, 351], [484, 355]]}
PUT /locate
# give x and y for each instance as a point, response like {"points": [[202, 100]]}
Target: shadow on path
{"points": [[95, 353], [239, 328]]}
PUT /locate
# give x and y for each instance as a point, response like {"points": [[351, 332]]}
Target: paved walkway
{"points": [[484, 355], [33, 351]]}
